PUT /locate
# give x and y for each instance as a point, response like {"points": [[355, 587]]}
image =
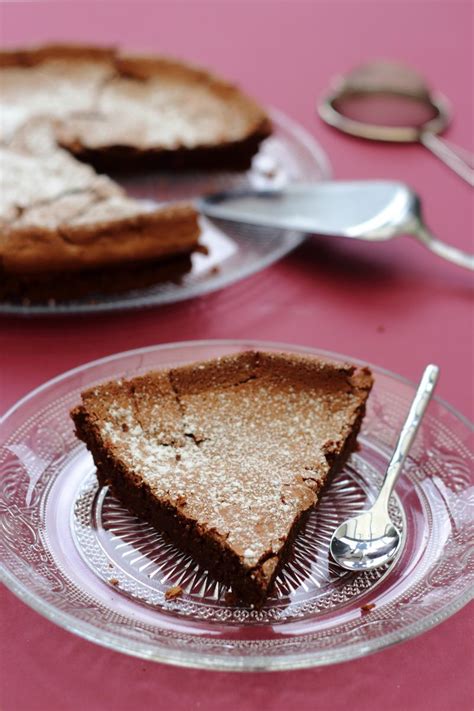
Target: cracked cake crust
{"points": [[58, 217], [227, 457], [123, 111]]}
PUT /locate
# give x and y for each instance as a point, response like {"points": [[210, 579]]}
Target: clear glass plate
{"points": [[234, 251], [71, 551]]}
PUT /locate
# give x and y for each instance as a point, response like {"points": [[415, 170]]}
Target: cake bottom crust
{"points": [[92, 283]]}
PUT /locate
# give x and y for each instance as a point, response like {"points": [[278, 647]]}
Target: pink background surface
{"points": [[391, 304]]}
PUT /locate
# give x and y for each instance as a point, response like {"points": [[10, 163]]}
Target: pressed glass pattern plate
{"points": [[73, 553]]}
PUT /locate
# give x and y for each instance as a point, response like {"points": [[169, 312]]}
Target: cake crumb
{"points": [[174, 592], [113, 581], [368, 607], [380, 329], [270, 173], [230, 598]]}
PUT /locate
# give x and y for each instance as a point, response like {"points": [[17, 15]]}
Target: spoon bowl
{"points": [[365, 542]]}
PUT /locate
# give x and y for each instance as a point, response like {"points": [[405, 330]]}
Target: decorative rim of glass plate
{"points": [[432, 578], [235, 252]]}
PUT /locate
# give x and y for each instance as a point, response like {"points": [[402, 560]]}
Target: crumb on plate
{"points": [[174, 592]]}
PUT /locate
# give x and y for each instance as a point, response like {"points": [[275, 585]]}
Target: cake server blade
{"points": [[367, 209]]}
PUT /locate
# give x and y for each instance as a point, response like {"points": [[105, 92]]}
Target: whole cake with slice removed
{"points": [[227, 457], [66, 231]]}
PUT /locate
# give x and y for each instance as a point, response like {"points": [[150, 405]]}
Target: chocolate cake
{"points": [[57, 215], [227, 457], [120, 110]]}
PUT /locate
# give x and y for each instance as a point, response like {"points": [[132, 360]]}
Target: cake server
{"points": [[370, 539], [372, 210]]}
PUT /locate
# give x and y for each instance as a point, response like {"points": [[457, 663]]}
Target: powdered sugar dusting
{"points": [[252, 457]]}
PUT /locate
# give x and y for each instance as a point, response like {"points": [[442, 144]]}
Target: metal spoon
{"points": [[370, 539], [366, 209], [387, 101]]}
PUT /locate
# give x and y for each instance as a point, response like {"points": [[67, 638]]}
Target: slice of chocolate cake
{"points": [[227, 457]]}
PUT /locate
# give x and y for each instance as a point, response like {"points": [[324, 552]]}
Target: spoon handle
{"points": [[446, 251], [408, 433], [458, 159]]}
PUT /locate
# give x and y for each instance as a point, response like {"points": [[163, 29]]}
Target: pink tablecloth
{"points": [[392, 304]]}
